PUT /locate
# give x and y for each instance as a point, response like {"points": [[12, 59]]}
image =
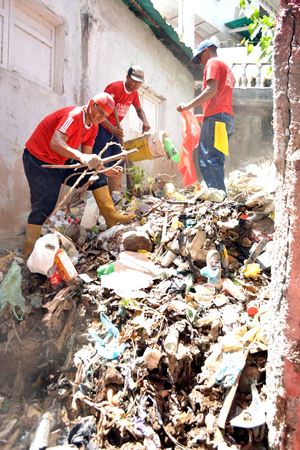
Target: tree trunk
{"points": [[283, 372]]}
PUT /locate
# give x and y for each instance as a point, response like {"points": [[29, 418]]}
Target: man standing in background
{"points": [[218, 123], [124, 94]]}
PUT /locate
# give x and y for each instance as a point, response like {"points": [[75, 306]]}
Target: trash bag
{"points": [[42, 257], [191, 134], [11, 292]]}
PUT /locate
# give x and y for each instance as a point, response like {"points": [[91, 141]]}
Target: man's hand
{"points": [[114, 172], [183, 107], [90, 160], [146, 127], [118, 133]]}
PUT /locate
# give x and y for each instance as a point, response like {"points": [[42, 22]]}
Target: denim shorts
{"points": [[103, 137], [211, 160]]}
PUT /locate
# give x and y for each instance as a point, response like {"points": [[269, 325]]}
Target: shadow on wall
{"points": [[252, 138]]}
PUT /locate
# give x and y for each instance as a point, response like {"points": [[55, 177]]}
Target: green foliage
{"points": [[140, 180], [127, 301], [262, 26]]}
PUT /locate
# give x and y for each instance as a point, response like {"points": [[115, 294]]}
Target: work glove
{"points": [[90, 160]]}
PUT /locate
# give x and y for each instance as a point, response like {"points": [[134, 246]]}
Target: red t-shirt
{"points": [[70, 121], [123, 99], [215, 69]]}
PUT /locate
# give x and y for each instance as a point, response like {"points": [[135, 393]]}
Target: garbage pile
{"points": [[148, 335]]}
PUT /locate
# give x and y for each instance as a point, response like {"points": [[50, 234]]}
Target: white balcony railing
{"points": [[247, 73], [251, 75]]}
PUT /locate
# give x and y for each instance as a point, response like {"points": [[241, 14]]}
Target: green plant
{"points": [[140, 181], [126, 302], [261, 25]]}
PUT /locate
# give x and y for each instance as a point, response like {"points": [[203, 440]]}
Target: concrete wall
{"points": [[101, 39], [253, 131]]}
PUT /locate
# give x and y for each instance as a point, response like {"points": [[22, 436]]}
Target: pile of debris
{"points": [[157, 336]]}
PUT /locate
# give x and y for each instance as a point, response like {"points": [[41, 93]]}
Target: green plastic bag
{"points": [[106, 269], [11, 292]]}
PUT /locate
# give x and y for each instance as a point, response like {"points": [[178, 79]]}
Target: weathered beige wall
{"points": [[101, 40]]}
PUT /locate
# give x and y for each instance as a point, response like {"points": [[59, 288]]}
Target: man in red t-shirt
{"points": [[217, 119], [54, 141], [124, 93]]}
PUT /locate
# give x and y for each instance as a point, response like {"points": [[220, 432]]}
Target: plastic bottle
{"points": [[90, 214], [171, 150], [224, 256], [41, 438], [252, 308], [171, 341], [116, 196]]}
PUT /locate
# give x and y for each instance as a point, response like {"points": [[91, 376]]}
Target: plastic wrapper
{"points": [[252, 270], [11, 292], [106, 269], [231, 366], [205, 193], [109, 347], [232, 289]]}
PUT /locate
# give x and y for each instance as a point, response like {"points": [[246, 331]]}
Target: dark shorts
{"points": [[102, 138], [45, 184]]}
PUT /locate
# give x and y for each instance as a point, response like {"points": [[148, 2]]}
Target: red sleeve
{"points": [[136, 102], [67, 125], [213, 70]]}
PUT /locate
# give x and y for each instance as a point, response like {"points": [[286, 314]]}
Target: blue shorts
{"points": [[211, 160], [103, 137]]}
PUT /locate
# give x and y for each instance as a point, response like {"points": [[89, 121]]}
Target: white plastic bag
{"points": [[42, 257]]}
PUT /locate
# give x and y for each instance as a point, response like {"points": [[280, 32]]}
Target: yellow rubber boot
{"points": [[107, 208], [33, 232]]}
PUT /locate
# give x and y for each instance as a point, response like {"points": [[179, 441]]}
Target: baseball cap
{"points": [[136, 73], [201, 47], [106, 101]]}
